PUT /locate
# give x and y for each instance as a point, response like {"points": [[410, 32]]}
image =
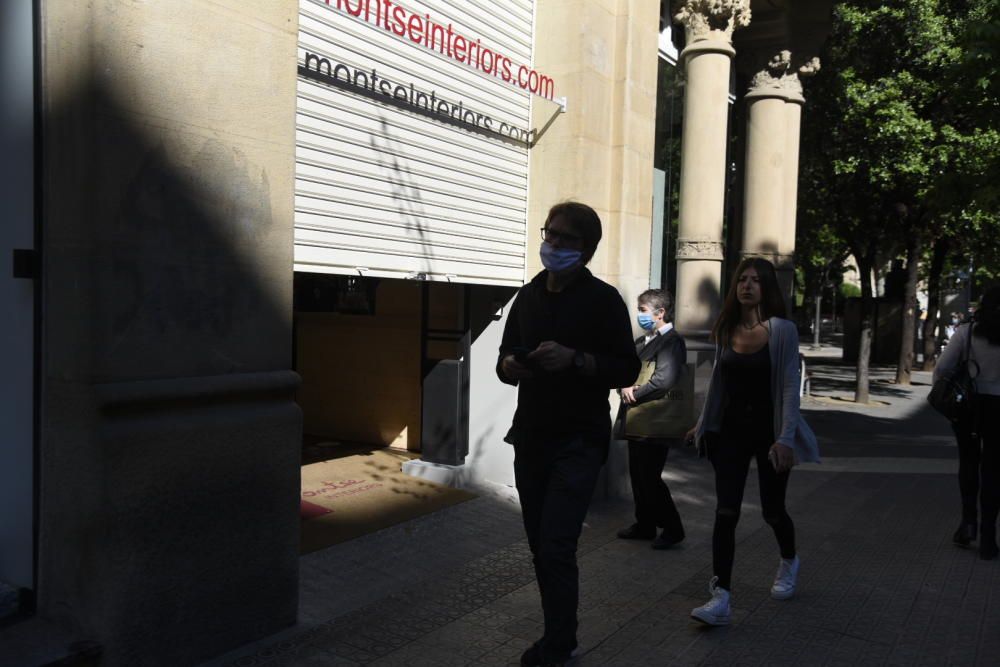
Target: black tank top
{"points": [[747, 405]]}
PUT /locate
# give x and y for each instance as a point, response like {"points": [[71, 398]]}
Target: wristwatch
{"points": [[579, 361]]}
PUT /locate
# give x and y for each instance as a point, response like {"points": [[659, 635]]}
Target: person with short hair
{"points": [[751, 411], [649, 442], [566, 343], [979, 436]]}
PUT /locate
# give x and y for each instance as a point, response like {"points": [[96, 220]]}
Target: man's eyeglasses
{"points": [[550, 235]]}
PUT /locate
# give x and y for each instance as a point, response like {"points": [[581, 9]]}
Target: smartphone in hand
{"points": [[521, 357]]}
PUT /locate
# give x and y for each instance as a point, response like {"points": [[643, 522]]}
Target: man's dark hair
{"points": [[658, 299], [584, 221], [987, 317]]}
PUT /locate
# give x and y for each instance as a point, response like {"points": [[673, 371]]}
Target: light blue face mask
{"points": [[645, 321], [558, 259]]}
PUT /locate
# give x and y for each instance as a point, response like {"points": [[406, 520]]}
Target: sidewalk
{"points": [[881, 583]]}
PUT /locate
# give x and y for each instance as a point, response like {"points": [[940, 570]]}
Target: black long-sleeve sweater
{"points": [[587, 315]]}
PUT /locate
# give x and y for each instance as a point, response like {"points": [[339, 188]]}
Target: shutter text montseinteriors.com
{"points": [[411, 149]]}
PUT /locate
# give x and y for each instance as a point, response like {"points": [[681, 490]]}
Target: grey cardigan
{"points": [[986, 356], [789, 426]]}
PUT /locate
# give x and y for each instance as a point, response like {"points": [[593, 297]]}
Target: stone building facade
{"points": [[184, 308]]}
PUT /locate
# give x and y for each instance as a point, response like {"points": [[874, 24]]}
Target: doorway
{"points": [[18, 271], [374, 355]]}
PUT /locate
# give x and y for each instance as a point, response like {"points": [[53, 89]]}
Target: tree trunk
{"points": [[913, 249], [819, 318], [865, 263], [934, 304], [833, 307], [819, 313]]}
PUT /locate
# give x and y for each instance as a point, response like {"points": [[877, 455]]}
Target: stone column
{"points": [[793, 128], [774, 112], [706, 60], [786, 237], [767, 171]]}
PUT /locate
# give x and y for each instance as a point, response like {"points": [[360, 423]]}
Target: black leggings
{"points": [[979, 465], [730, 456]]}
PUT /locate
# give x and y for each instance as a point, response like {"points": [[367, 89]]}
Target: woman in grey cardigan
{"points": [[752, 411], [979, 437]]}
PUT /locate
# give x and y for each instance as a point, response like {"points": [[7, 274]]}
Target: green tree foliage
{"points": [[972, 190], [900, 134]]}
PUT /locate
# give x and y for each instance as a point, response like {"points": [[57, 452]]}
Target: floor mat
{"points": [[347, 497]]}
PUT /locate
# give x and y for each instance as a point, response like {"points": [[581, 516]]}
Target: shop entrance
{"points": [[18, 270], [384, 367]]}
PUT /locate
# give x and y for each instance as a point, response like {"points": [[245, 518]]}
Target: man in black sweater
{"points": [[567, 343]]}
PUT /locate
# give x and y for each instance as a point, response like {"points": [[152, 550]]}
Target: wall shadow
{"points": [[170, 440]]}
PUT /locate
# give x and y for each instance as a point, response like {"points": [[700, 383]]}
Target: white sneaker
{"points": [[784, 581], [716, 610]]}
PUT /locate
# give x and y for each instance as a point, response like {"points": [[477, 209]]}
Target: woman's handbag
{"points": [[669, 415], [954, 393]]}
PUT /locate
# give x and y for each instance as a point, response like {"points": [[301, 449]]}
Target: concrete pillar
{"points": [[706, 62], [774, 113], [170, 442], [793, 130], [767, 172], [786, 239], [600, 151]]}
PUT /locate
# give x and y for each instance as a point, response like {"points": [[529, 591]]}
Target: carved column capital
{"points": [[779, 79], [804, 72], [704, 249], [708, 19]]}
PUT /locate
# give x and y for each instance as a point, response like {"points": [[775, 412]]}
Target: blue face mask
{"points": [[645, 321], [558, 259]]}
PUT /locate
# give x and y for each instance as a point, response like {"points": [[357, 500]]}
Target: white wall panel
{"points": [[398, 192]]}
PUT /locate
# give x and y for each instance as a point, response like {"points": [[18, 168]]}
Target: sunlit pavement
{"points": [[880, 583]]}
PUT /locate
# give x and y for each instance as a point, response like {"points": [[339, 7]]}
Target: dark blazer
{"points": [[670, 353]]}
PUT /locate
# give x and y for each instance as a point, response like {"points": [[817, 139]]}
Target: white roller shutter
{"points": [[387, 186]]}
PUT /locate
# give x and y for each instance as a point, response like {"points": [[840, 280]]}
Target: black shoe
{"points": [[988, 542], [534, 657], [665, 541], [965, 534], [637, 532]]}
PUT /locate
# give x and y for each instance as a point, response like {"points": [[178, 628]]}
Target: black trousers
{"points": [[969, 459], [730, 454], [654, 506], [979, 464], [555, 479]]}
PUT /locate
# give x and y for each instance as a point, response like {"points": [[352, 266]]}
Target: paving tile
{"points": [[880, 584]]}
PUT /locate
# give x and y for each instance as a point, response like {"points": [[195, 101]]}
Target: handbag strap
{"points": [[970, 354]]}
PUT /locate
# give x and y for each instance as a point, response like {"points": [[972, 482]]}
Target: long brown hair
{"points": [[772, 304]]}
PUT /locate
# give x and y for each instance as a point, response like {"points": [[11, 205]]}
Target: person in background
{"points": [[567, 342], [978, 437], [647, 450], [949, 329], [751, 411]]}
